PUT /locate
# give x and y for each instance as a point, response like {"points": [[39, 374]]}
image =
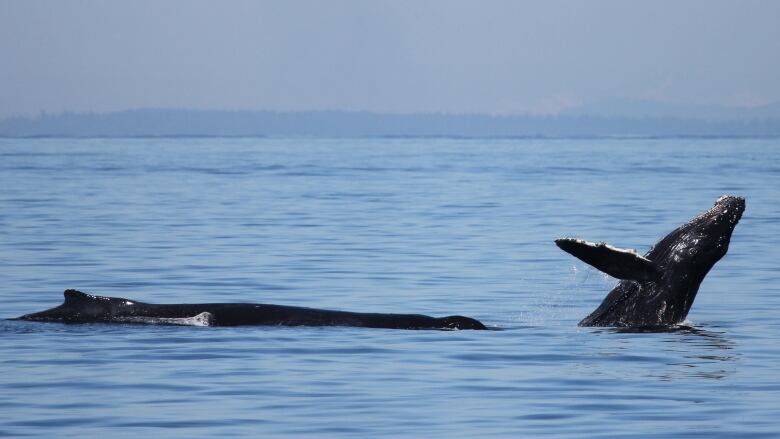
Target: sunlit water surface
{"points": [[433, 226]]}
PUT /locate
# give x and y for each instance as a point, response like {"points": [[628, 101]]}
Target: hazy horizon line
{"points": [[587, 110], [161, 122]]}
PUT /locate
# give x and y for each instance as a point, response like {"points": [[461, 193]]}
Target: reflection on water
{"points": [[688, 351]]}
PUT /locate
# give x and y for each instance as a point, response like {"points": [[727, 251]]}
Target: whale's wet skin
{"points": [[658, 289], [80, 307]]}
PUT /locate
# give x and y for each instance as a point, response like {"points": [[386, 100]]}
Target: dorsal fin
{"points": [[73, 297], [616, 262]]}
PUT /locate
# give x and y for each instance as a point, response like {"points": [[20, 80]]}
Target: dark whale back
{"points": [[80, 307]]}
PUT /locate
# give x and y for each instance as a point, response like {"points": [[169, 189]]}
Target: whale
{"points": [[80, 307], [657, 289]]}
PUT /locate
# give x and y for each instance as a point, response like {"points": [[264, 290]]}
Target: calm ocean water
{"points": [[433, 226]]}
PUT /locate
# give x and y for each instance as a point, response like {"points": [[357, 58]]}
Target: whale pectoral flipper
{"points": [[620, 263]]}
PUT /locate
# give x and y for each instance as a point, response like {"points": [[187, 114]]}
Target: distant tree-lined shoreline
{"points": [[206, 123]]}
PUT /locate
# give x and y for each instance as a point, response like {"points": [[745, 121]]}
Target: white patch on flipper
{"points": [[202, 319], [629, 251]]}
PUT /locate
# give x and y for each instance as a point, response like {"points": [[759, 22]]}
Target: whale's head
{"points": [[717, 225], [460, 322], [694, 248]]}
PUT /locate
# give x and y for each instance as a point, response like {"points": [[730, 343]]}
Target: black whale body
{"points": [[80, 307], [658, 289]]}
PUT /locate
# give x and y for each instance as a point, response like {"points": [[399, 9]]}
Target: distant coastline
{"points": [[216, 123]]}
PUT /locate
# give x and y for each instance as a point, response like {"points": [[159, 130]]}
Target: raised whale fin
{"points": [[616, 262]]}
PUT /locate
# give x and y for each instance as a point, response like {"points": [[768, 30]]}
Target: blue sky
{"points": [[494, 57]]}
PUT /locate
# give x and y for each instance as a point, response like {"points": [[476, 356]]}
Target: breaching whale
{"points": [[658, 289], [80, 307]]}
